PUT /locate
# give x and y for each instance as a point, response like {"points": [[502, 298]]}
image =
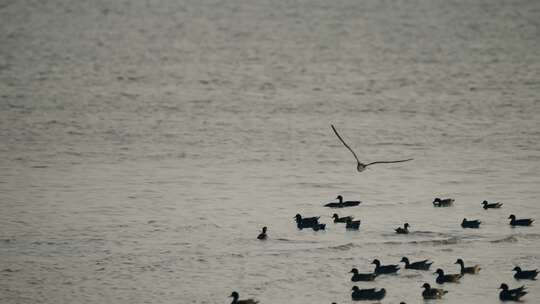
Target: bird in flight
{"points": [[361, 166]]}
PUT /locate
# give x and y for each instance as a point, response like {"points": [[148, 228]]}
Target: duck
{"points": [[432, 293], [307, 222], [420, 265], [471, 269], [342, 204], [491, 206], [344, 219], [235, 300], [384, 269], [357, 277], [446, 278], [520, 222], [470, 224], [367, 294], [511, 294], [447, 202], [404, 230], [353, 225], [524, 274], [262, 235]]}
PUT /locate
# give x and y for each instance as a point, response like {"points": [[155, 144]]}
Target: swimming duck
{"points": [[404, 230], [525, 274], [384, 268], [367, 294], [353, 225], [344, 219], [511, 294], [342, 204], [491, 206], [357, 277], [262, 235], [471, 269], [432, 293], [420, 265], [447, 202], [307, 222], [520, 222], [470, 224], [235, 296], [446, 278]]}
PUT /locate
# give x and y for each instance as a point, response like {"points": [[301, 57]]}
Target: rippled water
{"points": [[145, 143]]}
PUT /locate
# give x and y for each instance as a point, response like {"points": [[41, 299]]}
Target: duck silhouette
{"points": [[359, 165], [306, 222], [470, 224], [357, 277], [344, 219], [507, 294], [367, 294], [404, 230], [262, 235], [447, 202], [432, 293], [491, 206], [420, 265], [520, 222], [446, 278], [384, 269], [525, 274], [471, 269], [342, 204], [235, 296]]}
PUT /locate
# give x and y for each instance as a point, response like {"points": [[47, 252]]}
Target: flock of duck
{"points": [[429, 292]]}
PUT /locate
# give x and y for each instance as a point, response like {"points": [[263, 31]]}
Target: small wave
{"points": [[508, 239]]}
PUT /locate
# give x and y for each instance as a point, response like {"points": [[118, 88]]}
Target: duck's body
{"points": [[362, 277], [319, 227], [342, 204], [519, 222], [491, 206], [507, 294], [447, 278], [404, 230], [344, 219], [367, 294], [235, 300], [525, 274], [353, 225], [470, 224], [306, 222], [432, 293], [420, 265], [470, 270], [262, 235], [447, 202], [384, 269]]}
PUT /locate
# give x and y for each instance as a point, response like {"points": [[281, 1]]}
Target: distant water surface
{"points": [[145, 143]]}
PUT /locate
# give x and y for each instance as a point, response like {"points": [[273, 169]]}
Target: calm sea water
{"points": [[145, 143]]}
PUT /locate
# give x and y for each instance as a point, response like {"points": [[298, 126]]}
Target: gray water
{"points": [[145, 143]]}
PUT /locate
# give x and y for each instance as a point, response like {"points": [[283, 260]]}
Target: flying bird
{"points": [[361, 166]]}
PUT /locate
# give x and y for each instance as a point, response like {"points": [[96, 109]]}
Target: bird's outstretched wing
{"points": [[345, 144], [389, 162]]}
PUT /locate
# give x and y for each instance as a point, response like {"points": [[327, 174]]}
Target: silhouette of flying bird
{"points": [[361, 166]]}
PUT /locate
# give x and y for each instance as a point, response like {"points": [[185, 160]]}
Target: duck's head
{"points": [[512, 217], [355, 288], [335, 215], [354, 270], [436, 200], [517, 268], [264, 229], [439, 271], [405, 260], [503, 286], [406, 225], [298, 216], [340, 198], [459, 261], [484, 203], [464, 220], [426, 286], [376, 262], [234, 294]]}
